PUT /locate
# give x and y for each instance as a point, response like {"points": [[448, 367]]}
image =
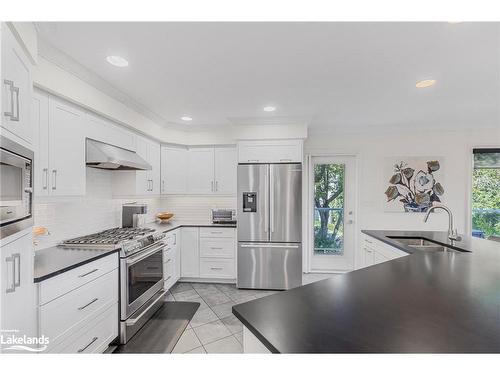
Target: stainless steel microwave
{"points": [[16, 187]]}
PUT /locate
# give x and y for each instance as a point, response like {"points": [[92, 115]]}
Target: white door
{"points": [[40, 120], [332, 207], [173, 170], [17, 299], [190, 253], [66, 149], [225, 170], [143, 183], [154, 155], [17, 88], [200, 171]]}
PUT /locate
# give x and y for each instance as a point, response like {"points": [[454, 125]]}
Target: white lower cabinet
{"points": [[375, 251], [190, 252], [78, 310], [208, 253], [171, 259], [17, 298]]}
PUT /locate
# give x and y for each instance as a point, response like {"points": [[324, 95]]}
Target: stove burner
{"points": [[113, 236]]}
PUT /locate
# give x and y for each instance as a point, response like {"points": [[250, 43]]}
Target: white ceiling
{"points": [[332, 75]]}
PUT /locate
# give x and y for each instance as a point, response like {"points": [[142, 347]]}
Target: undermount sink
{"points": [[423, 244]]}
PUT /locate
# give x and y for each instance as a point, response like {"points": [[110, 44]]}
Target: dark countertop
{"points": [[446, 302], [55, 260]]}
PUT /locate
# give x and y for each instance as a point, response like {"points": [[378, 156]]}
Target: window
{"points": [[486, 193]]}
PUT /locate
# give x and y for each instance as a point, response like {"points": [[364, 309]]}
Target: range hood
{"points": [[105, 156]]}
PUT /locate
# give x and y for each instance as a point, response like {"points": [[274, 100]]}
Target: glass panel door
{"points": [[333, 200], [329, 208]]}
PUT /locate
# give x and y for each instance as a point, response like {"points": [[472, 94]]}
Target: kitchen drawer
{"points": [[217, 268], [217, 248], [94, 337], [217, 232], [70, 280], [64, 314]]}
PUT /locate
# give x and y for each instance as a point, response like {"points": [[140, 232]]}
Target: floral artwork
{"points": [[414, 184]]}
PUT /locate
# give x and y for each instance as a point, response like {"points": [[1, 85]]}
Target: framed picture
{"points": [[413, 183]]}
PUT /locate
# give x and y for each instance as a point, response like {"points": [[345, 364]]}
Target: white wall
{"points": [[454, 147]]}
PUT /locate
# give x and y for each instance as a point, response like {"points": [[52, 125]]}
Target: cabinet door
{"points": [[200, 171], [368, 257], [190, 253], [66, 148], [143, 183], [40, 120], [225, 160], [154, 174], [17, 298], [17, 88], [173, 170], [379, 257]]}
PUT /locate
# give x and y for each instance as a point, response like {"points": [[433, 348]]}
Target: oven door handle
{"points": [[132, 321], [143, 255]]}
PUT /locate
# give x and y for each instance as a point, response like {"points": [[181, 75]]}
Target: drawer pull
{"points": [[216, 248], [152, 268], [216, 268], [88, 304], [215, 232], [86, 346], [88, 273], [368, 241], [168, 278], [168, 260]]}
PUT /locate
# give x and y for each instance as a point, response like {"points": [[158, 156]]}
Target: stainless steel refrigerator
{"points": [[269, 226]]}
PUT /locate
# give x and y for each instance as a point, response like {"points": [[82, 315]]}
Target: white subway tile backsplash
{"points": [[67, 217]]}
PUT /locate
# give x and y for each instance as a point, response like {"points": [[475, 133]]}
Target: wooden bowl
{"points": [[165, 216]]}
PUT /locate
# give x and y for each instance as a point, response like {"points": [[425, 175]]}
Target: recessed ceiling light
{"points": [[425, 83], [117, 61], [186, 118], [269, 108]]}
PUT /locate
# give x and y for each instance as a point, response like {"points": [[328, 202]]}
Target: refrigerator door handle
{"points": [[266, 203], [266, 245], [271, 198]]}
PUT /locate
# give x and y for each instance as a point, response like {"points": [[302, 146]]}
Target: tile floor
{"points": [[213, 329]]}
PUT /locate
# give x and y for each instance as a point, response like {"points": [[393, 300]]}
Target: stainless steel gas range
{"points": [[141, 272]]}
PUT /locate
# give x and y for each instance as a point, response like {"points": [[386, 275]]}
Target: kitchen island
{"points": [[427, 302]]}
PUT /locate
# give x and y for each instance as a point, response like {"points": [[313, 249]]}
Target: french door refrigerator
{"points": [[269, 226]]}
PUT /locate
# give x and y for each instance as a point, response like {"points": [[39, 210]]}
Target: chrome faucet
{"points": [[452, 233]]}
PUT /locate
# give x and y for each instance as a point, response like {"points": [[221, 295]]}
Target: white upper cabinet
{"points": [[59, 145], [274, 151], [207, 170], [17, 88], [200, 171], [225, 170], [66, 148], [40, 121], [173, 170], [140, 182]]}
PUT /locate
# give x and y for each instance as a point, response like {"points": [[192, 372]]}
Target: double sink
{"points": [[425, 245]]}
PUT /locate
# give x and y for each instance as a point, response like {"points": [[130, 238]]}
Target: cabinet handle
{"points": [[216, 185], [86, 346], [16, 117], [367, 250], [152, 185], [11, 84], [169, 260], [175, 238], [216, 268], [88, 273], [215, 232], [162, 186], [88, 304], [46, 178], [252, 160], [54, 179], [17, 278], [12, 287], [216, 248], [211, 186]]}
